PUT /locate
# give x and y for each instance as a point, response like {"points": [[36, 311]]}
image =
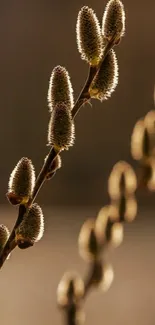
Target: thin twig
{"points": [[83, 98]]}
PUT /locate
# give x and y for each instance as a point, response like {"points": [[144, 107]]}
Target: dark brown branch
{"points": [[83, 98]]}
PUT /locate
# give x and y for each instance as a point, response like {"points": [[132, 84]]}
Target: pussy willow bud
{"points": [[148, 173], [70, 289], [107, 277], [109, 232], [89, 246], [4, 235], [21, 182], [102, 276], [140, 141], [31, 228], [106, 79], [89, 37], [56, 164], [113, 24], [149, 122], [60, 89], [122, 180], [124, 209], [61, 128]]}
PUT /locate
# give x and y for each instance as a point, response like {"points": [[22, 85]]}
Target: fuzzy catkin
{"points": [[71, 287], [60, 88], [89, 36], [4, 235], [61, 128], [31, 228], [113, 23], [21, 182], [106, 79]]}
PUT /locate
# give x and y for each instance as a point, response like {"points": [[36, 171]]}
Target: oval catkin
{"points": [[113, 23], [106, 79], [21, 182], [89, 36], [31, 228], [61, 128], [60, 88]]}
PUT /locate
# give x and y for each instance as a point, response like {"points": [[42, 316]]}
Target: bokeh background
{"points": [[35, 36]]}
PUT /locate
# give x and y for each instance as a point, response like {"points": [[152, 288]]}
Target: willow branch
{"points": [[83, 98]]}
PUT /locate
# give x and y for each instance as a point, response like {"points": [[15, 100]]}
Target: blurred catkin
{"points": [[89, 37], [31, 228], [21, 182], [61, 128], [70, 288], [113, 23], [60, 89], [89, 245], [106, 78]]}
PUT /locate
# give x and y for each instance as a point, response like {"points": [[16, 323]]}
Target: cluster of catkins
{"points": [[106, 231], [95, 45]]}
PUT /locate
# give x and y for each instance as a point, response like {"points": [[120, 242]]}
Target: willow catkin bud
{"points": [[70, 288], [110, 232], [55, 165], [106, 78], [149, 121], [113, 23], [102, 275], [89, 245], [140, 141], [31, 228], [107, 277], [122, 180], [148, 173], [89, 36], [21, 182], [61, 128], [60, 89], [4, 235], [124, 209]]}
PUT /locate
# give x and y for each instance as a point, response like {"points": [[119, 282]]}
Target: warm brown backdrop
{"points": [[35, 36]]}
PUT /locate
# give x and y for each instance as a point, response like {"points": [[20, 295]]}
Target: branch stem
{"points": [[83, 98]]}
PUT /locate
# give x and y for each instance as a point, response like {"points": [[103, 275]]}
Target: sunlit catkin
{"points": [[124, 209], [21, 182], [60, 89], [109, 232], [89, 245], [4, 235], [140, 141], [61, 128], [106, 79], [122, 180], [113, 23], [31, 228], [105, 277], [70, 288], [89, 37]]}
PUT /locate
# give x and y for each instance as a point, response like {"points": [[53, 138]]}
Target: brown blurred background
{"points": [[35, 36]]}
